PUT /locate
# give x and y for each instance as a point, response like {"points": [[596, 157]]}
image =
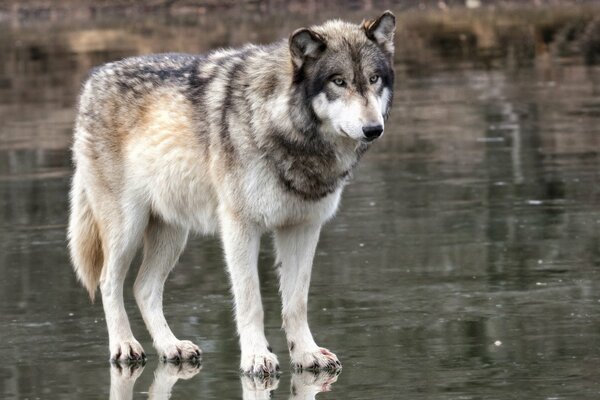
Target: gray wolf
{"points": [[237, 142]]}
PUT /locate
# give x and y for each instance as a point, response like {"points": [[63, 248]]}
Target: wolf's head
{"points": [[346, 74]]}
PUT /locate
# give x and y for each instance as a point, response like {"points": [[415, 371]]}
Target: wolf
{"points": [[237, 143]]}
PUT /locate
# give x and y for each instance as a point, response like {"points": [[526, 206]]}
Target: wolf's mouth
{"points": [[346, 133], [353, 138]]}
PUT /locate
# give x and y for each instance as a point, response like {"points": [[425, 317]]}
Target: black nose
{"points": [[372, 132]]}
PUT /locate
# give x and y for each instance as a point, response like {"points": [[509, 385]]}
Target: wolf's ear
{"points": [[381, 30], [304, 44]]}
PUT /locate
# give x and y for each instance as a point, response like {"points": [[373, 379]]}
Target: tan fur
{"points": [[84, 242]]}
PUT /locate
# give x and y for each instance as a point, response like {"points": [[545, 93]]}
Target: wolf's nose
{"points": [[372, 132]]}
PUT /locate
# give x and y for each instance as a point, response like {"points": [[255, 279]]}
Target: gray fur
{"points": [[305, 162]]}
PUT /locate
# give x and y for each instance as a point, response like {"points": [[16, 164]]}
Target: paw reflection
{"points": [[167, 374], [255, 387], [306, 385], [123, 377]]}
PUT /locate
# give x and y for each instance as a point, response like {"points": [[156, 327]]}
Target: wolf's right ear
{"points": [[304, 44], [381, 31]]}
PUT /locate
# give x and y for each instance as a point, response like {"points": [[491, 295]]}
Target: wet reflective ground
{"points": [[463, 264]]}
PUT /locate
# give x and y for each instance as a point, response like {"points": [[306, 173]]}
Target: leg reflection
{"points": [[306, 385], [122, 379]]}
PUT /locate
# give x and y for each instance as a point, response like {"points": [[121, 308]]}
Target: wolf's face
{"points": [[346, 74]]}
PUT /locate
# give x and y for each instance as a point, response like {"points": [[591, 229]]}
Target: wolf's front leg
{"points": [[295, 252], [241, 241]]}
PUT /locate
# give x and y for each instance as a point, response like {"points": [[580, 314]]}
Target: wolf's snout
{"points": [[372, 132]]}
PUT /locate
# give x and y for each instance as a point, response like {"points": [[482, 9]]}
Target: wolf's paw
{"points": [[318, 360], [180, 350], [259, 364], [259, 388], [129, 351]]}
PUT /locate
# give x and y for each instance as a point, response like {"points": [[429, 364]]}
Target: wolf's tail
{"points": [[85, 243]]}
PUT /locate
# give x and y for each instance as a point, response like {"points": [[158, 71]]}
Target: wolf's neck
{"points": [[311, 167], [307, 163]]}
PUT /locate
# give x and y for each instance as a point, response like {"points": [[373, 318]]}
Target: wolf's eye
{"points": [[374, 79], [339, 82]]}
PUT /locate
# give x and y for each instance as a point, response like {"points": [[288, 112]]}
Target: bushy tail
{"points": [[85, 244]]}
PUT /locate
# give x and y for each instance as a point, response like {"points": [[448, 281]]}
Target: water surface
{"points": [[463, 263]]}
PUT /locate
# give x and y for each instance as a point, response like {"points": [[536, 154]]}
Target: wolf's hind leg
{"points": [[241, 242], [163, 244], [295, 252], [122, 233]]}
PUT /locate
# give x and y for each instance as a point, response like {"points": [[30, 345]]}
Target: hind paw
{"points": [[320, 359], [181, 350]]}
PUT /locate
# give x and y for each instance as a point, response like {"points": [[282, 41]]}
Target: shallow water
{"points": [[463, 264]]}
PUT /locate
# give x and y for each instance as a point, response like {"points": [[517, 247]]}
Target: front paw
{"points": [[259, 364], [180, 350], [127, 351], [319, 359]]}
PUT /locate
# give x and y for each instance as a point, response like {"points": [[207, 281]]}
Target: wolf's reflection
{"points": [[304, 386], [123, 377]]}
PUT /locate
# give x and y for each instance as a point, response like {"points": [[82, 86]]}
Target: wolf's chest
{"points": [[272, 204]]}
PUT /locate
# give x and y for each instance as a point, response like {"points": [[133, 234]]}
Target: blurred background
{"points": [[463, 263]]}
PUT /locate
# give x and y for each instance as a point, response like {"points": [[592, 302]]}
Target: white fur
{"points": [[384, 101]]}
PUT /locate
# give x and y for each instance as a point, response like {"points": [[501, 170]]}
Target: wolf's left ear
{"points": [[381, 30], [305, 43]]}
